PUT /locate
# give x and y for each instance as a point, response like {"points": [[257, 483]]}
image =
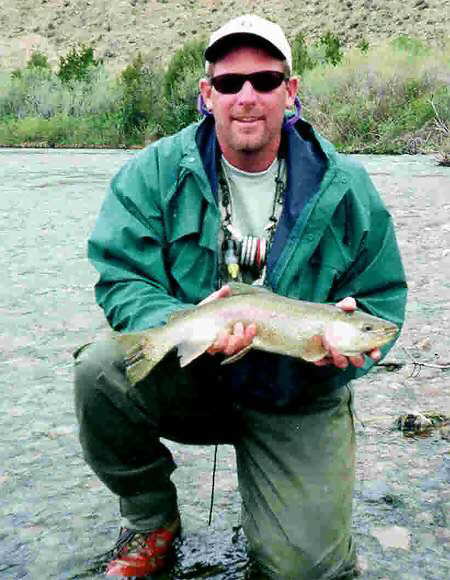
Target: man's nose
{"points": [[247, 92]]}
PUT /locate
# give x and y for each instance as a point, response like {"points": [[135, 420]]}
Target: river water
{"points": [[56, 516]]}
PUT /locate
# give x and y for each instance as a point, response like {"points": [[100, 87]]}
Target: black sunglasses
{"points": [[263, 81]]}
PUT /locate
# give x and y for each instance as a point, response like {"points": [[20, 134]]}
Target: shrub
{"points": [[189, 58], [409, 44], [180, 90], [180, 109], [38, 60], [97, 130], [141, 94], [378, 101], [333, 48], [77, 64], [363, 45], [301, 59], [38, 92]]}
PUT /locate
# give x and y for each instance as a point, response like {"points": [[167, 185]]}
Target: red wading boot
{"points": [[140, 554]]}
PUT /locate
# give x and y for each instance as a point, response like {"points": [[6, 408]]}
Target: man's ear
{"points": [[205, 90], [292, 89]]}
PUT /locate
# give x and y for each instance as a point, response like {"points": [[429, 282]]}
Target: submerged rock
{"points": [[421, 423], [393, 537]]}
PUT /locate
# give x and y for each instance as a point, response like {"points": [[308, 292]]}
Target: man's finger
{"points": [[339, 360], [235, 339], [220, 342], [232, 342], [375, 354], [223, 292], [357, 361], [348, 304], [250, 332], [323, 362]]}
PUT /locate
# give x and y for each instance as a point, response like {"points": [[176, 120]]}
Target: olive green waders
{"points": [[295, 470]]}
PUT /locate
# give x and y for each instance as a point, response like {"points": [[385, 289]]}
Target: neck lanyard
{"points": [[248, 252]]}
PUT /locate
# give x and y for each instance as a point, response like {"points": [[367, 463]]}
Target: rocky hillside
{"points": [[118, 29]]}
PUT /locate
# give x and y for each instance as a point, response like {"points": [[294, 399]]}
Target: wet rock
{"points": [[378, 492], [425, 518], [421, 423], [426, 540], [445, 432], [424, 343], [393, 537], [443, 535]]}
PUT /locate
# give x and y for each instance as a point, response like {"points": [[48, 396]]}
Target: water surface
{"points": [[56, 516]]}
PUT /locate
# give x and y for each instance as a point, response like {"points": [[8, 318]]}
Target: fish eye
{"points": [[367, 328]]}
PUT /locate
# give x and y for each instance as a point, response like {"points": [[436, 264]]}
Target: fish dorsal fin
{"points": [[179, 314], [239, 289]]}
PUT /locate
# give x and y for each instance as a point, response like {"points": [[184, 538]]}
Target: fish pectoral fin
{"points": [[189, 351], [313, 349], [235, 357], [180, 314]]}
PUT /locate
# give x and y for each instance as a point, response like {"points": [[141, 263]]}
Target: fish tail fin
{"points": [[143, 351]]}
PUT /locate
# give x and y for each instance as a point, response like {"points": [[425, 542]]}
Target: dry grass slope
{"points": [[118, 29]]}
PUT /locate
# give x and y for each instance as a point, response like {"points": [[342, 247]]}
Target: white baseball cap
{"points": [[250, 25]]}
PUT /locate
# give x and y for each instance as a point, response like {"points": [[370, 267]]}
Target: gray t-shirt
{"points": [[252, 199]]}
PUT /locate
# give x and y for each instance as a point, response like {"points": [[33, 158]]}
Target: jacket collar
{"points": [[313, 166], [301, 139]]}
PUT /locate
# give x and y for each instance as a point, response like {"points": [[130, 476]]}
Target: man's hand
{"points": [[227, 342], [334, 357]]}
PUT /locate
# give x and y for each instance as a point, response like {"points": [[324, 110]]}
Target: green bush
{"points": [[90, 131], [377, 101], [301, 59], [180, 109], [77, 64], [38, 60], [178, 104], [363, 45], [409, 44], [141, 95], [189, 58], [38, 92], [333, 48]]}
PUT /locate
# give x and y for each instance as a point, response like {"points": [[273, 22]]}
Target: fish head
{"points": [[356, 333]]}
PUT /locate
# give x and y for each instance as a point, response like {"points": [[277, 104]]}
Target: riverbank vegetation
{"points": [[389, 98]]}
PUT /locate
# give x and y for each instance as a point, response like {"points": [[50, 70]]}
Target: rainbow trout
{"points": [[284, 326]]}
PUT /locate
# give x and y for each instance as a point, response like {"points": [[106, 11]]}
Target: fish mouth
{"points": [[389, 332]]}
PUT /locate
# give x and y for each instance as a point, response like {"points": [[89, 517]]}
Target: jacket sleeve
{"points": [[127, 248], [376, 277]]}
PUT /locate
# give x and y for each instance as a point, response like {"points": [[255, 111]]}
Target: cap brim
{"points": [[219, 48]]}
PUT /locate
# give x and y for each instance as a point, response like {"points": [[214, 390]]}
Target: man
{"points": [[247, 195]]}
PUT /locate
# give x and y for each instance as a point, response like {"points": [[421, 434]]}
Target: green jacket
{"points": [[155, 246]]}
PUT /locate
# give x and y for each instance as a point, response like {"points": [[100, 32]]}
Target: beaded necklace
{"points": [[247, 253]]}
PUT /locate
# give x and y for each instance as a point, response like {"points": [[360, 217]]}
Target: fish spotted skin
{"points": [[283, 325]]}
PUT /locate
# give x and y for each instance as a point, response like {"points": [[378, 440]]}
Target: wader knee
{"points": [[92, 362]]}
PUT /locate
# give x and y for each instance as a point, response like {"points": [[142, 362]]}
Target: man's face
{"points": [[248, 123]]}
